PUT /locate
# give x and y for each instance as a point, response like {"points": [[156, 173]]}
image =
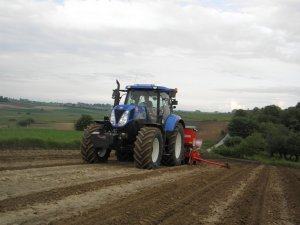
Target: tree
{"points": [[233, 141], [242, 126], [293, 145], [276, 138], [83, 122], [240, 112], [26, 122], [3, 99], [291, 118], [270, 113], [253, 144], [239, 147]]}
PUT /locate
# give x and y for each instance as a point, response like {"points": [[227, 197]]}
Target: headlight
{"points": [[112, 118], [123, 119]]}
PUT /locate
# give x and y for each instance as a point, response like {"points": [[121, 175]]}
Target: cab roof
{"points": [[149, 87]]}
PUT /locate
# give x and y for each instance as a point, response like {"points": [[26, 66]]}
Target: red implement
{"points": [[193, 156], [192, 146]]}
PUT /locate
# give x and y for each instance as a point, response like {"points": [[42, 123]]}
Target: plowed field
{"points": [[55, 187]]}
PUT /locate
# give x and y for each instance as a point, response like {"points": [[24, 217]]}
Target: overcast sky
{"points": [[221, 55]]}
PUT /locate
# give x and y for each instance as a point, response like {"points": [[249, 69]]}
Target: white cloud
{"points": [[232, 104], [201, 47], [93, 15]]}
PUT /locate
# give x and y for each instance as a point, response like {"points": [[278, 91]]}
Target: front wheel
{"points": [[88, 152], [148, 148], [103, 154]]}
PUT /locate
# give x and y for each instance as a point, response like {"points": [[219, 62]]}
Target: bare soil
{"points": [[55, 187], [56, 126], [210, 130]]}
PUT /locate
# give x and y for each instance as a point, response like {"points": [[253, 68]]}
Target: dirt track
{"points": [[55, 187]]}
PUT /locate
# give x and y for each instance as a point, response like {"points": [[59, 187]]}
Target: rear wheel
{"points": [[148, 148], [175, 154], [88, 152]]}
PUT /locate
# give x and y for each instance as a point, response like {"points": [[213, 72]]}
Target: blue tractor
{"points": [[143, 129]]}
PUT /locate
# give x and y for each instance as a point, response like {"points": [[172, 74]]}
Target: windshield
{"points": [[142, 98]]}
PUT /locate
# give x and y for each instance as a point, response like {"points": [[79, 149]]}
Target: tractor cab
{"points": [[150, 103]]}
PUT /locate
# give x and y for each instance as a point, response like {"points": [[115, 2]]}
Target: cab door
{"points": [[164, 109]]}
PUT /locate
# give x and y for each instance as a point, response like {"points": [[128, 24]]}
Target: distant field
{"points": [[9, 116], [202, 116]]}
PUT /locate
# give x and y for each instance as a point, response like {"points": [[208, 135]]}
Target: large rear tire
{"points": [[148, 148], [88, 152], [175, 154]]}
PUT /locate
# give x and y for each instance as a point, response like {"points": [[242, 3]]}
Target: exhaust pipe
{"points": [[116, 94]]}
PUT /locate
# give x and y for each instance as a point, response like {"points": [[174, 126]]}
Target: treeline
{"points": [[74, 105], [4, 99], [268, 130], [89, 106]]}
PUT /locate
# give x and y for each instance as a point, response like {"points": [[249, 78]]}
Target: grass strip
{"points": [[27, 138]]}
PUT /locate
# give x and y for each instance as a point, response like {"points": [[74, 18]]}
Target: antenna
{"points": [[135, 78]]}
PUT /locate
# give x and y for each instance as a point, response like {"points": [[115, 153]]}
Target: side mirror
{"points": [[174, 102]]}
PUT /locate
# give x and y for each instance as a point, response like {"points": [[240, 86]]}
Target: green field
{"points": [[43, 134], [27, 138]]}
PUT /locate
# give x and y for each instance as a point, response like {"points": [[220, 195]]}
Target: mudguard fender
{"points": [[171, 122]]}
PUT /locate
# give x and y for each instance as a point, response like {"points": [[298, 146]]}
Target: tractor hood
{"points": [[123, 114]]}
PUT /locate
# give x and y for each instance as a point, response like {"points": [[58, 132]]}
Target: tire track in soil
{"points": [[41, 166], [55, 194], [154, 205], [259, 197], [41, 161], [248, 208], [275, 205], [264, 202], [37, 157], [19, 160], [75, 204], [189, 211], [290, 178], [235, 190], [209, 208], [22, 182]]}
